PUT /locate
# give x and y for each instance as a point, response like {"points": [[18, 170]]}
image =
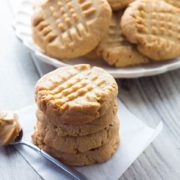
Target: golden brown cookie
{"points": [[79, 144], [68, 29], [119, 4], [116, 50], [154, 27], [78, 129], [93, 55], [174, 2], [92, 156], [76, 94]]}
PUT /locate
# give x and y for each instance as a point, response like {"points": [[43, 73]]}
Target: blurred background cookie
{"points": [[116, 50], [69, 29], [174, 2], [93, 55], [119, 4], [154, 27]]}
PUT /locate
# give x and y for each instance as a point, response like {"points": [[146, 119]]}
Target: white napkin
{"points": [[135, 137]]}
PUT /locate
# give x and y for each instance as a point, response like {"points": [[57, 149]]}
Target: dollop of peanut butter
{"points": [[9, 127]]}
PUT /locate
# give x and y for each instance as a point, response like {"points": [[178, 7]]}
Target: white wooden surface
{"points": [[151, 99]]}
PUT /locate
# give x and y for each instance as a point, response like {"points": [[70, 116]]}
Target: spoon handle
{"points": [[70, 171]]}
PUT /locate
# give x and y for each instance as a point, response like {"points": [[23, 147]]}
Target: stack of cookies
{"points": [[76, 116], [121, 32]]}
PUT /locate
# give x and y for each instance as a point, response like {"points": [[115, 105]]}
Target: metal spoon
{"points": [[69, 171]]}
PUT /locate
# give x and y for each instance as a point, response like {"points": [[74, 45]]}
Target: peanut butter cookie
{"points": [[76, 94], [116, 50], [174, 2], [78, 144], [92, 156], [78, 129], [119, 4], [154, 27], [67, 29]]}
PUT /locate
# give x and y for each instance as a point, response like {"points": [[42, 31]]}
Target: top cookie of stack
{"points": [[76, 94]]}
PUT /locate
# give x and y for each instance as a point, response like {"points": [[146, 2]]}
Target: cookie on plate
{"points": [[116, 50], [174, 2], [76, 94], [154, 27], [119, 4], [80, 129], [67, 29], [93, 56]]}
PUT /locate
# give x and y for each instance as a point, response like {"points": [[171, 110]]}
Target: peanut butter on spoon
{"points": [[9, 127], [11, 133]]}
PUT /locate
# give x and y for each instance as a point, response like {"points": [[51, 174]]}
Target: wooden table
{"points": [[152, 99]]}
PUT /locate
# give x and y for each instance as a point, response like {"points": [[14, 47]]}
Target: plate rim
{"points": [[129, 73]]}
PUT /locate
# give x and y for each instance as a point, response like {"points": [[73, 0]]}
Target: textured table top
{"points": [[152, 99]]}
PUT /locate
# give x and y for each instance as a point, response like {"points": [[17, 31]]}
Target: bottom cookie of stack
{"points": [[97, 155], [78, 150]]}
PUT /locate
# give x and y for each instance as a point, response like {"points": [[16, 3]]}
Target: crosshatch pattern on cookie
{"points": [[114, 34], [73, 84], [115, 48], [113, 39], [159, 23], [68, 18], [154, 25], [174, 2]]}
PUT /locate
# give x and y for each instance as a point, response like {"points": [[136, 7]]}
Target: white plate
{"points": [[22, 26]]}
